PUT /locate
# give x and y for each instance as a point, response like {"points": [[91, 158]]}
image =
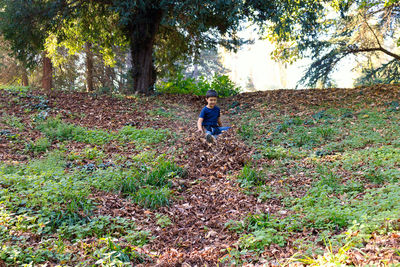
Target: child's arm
{"points": [[200, 125], [219, 122]]}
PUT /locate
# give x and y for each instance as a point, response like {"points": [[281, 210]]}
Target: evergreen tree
{"points": [[365, 29]]}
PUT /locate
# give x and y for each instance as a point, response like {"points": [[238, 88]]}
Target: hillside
{"points": [[304, 177]]}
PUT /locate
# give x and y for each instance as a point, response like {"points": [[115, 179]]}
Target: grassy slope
{"points": [[332, 159], [114, 180]]}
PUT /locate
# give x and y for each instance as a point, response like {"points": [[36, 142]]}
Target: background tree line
{"points": [[129, 45]]}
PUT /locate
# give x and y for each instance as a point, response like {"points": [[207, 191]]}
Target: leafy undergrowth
{"points": [[44, 203], [334, 165], [305, 177]]}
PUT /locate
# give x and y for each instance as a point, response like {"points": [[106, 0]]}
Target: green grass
{"points": [[15, 89], [39, 146], [12, 121], [41, 198], [56, 129], [320, 211], [160, 112], [146, 181], [150, 186], [152, 198], [43, 184], [249, 176], [332, 130], [352, 156], [332, 169], [145, 136]]}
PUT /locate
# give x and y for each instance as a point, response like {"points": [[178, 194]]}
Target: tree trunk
{"points": [[25, 81], [109, 78], [142, 36], [47, 79], [89, 68]]}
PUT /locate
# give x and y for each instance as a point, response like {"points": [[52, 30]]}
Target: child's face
{"points": [[211, 101]]}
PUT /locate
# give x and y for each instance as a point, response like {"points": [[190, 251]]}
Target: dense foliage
{"points": [[366, 30], [182, 28], [181, 85]]}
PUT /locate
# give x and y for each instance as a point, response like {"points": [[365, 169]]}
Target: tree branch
{"points": [[361, 50], [373, 49], [370, 28], [390, 53]]}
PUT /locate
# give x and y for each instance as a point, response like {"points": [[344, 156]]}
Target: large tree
{"points": [[198, 24]]}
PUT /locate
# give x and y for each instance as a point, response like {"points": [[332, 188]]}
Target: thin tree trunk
{"points": [[89, 68], [25, 81], [142, 37], [47, 79], [109, 78]]}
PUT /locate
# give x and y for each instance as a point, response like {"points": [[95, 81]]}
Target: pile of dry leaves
{"points": [[226, 154]]}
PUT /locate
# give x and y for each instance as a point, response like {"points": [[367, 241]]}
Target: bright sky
{"points": [[254, 61]]}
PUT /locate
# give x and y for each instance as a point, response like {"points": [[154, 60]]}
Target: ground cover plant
{"points": [[304, 177], [40, 199], [55, 129], [350, 152]]}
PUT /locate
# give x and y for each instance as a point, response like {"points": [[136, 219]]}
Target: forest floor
{"points": [[304, 177]]}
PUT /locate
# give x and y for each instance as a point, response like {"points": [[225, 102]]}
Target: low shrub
{"points": [[99, 226], [181, 85], [260, 239]]}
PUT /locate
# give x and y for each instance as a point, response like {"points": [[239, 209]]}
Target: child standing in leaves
{"points": [[209, 122]]}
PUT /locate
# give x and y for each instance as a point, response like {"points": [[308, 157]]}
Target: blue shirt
{"points": [[210, 116]]}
